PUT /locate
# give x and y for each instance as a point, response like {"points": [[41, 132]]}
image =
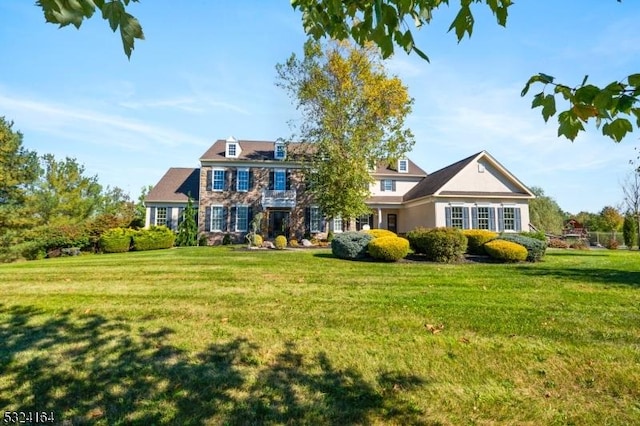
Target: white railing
{"points": [[275, 198]]}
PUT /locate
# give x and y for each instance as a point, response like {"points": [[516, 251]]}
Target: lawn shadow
{"points": [[90, 369], [586, 275]]}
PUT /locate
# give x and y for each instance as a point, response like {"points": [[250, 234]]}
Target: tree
{"points": [[387, 24], [630, 230], [352, 117], [188, 229], [631, 191], [546, 214], [140, 210], [610, 219], [64, 194]]}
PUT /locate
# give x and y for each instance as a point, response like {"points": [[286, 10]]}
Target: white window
{"points": [[337, 224], [218, 180], [161, 216], [483, 218], [243, 180], [280, 180], [387, 185], [315, 219], [217, 218], [403, 166], [509, 219], [242, 218], [280, 151], [231, 150], [457, 217]]}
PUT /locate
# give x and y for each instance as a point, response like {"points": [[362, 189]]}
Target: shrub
{"points": [[580, 244], [388, 248], [293, 243], [154, 238], [330, 236], [116, 240], [538, 235], [203, 240], [506, 251], [558, 243], [535, 248], [476, 238], [52, 238], [438, 244], [612, 244], [350, 245], [31, 250], [377, 233], [257, 240], [226, 240], [280, 242]]}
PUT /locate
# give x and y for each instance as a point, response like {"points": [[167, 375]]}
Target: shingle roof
{"points": [[175, 186], [436, 180], [386, 169], [250, 150]]}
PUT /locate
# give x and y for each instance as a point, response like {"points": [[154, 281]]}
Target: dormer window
{"points": [[403, 166], [280, 151], [232, 148]]}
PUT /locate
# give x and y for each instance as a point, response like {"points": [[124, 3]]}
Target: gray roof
{"points": [[384, 168], [176, 185], [436, 180]]}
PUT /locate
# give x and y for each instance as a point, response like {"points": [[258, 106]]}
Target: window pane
{"points": [[456, 217], [509, 217], [232, 150], [242, 216], [337, 224], [161, 216], [314, 226], [280, 180], [218, 180], [403, 166], [217, 218], [243, 180], [388, 185], [483, 218]]}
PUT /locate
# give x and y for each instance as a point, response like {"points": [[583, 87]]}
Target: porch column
{"points": [[379, 218]]}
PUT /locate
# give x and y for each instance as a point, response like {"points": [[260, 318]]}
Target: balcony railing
{"points": [[275, 198]]}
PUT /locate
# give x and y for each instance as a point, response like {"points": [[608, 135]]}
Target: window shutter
{"points": [[370, 221], [447, 216], [234, 180], [180, 214], [249, 217], [465, 218], [226, 179], [492, 219], [209, 180], [382, 185], [250, 179], [323, 222], [500, 219], [307, 220], [152, 216], [474, 218], [518, 220], [233, 218], [170, 218], [207, 219], [225, 218], [288, 180], [271, 180], [393, 185]]}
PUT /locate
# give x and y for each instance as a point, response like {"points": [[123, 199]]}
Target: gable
{"points": [[485, 175]]}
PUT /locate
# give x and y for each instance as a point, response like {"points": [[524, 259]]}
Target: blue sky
{"points": [[207, 70]]}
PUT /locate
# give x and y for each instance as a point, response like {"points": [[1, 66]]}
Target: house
{"points": [[239, 178]]}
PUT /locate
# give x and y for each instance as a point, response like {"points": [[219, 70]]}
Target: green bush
{"points": [[116, 240], [350, 245], [203, 240], [226, 240], [476, 238], [153, 238], [280, 242], [535, 248], [506, 251], [438, 244], [330, 236], [377, 233], [388, 248], [31, 250], [558, 243], [53, 238], [538, 235]]}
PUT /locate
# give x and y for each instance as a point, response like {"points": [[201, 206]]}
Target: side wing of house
{"points": [[475, 193], [166, 202]]}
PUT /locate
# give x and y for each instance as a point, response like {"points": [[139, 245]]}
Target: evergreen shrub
{"points": [[476, 238], [506, 251], [280, 242], [116, 240], [350, 245], [444, 245], [377, 233], [389, 248], [535, 248], [153, 238]]}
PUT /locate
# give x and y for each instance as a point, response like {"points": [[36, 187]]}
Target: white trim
{"points": [[406, 164], [238, 207], [275, 151], [212, 229], [213, 178], [244, 169]]}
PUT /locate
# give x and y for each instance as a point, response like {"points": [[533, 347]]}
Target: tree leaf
{"points": [[548, 107], [617, 129], [463, 22], [634, 80], [570, 125], [586, 94]]}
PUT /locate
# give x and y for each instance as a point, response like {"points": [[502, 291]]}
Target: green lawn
{"points": [[222, 336]]}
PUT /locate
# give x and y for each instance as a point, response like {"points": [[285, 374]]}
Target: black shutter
{"points": [[250, 179], [207, 219], [209, 180], [249, 217], [224, 220], [233, 180], [307, 220], [232, 212], [271, 180], [170, 218], [370, 221], [226, 179], [288, 180]]}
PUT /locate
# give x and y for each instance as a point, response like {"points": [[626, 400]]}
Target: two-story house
{"points": [[238, 179]]}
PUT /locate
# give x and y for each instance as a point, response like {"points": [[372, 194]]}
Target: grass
{"points": [[222, 336]]}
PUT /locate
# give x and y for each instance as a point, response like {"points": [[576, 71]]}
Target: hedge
{"points": [[476, 238], [389, 248], [535, 248], [350, 245], [506, 251], [154, 238], [438, 244], [116, 240], [377, 233]]}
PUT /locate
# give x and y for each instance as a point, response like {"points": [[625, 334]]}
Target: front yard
{"points": [[213, 335]]}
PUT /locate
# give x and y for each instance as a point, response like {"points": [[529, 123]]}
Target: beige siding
{"points": [[402, 186], [417, 215], [472, 179]]}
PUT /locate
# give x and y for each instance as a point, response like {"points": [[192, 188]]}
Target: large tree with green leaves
{"points": [[546, 214], [188, 228], [352, 117], [613, 106]]}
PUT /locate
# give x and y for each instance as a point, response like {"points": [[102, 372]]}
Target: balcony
{"points": [[275, 198]]}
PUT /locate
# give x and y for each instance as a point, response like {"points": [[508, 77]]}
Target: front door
{"points": [[392, 222], [279, 223]]}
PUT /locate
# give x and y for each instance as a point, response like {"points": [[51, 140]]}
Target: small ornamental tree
{"points": [[188, 229], [630, 231]]}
